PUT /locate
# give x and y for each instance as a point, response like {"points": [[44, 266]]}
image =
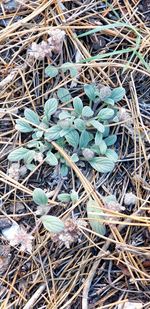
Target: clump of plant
{"points": [[82, 130]]}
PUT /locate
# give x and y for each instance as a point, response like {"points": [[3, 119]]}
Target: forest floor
{"points": [[108, 43]]}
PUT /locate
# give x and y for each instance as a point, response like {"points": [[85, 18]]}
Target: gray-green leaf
{"points": [[40, 197], [53, 133], [79, 124], [51, 71], [90, 91], [106, 114], [64, 197], [64, 170], [64, 95], [18, 154], [51, 159], [31, 116], [85, 138], [98, 138], [74, 157], [52, 224], [96, 217], [23, 126], [109, 101], [71, 67], [74, 196], [29, 156], [78, 105], [72, 138], [50, 107], [117, 94], [97, 125], [102, 147], [111, 155], [102, 164], [110, 140], [87, 112]]}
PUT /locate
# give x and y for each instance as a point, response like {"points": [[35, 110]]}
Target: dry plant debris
{"points": [[100, 43]]}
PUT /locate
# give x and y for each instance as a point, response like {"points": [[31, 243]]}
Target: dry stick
{"points": [[35, 296]]}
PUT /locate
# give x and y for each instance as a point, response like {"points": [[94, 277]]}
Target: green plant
{"points": [[84, 131]]}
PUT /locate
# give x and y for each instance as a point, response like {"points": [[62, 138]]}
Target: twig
{"points": [[34, 297]]}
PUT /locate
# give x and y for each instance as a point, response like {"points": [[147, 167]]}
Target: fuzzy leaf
{"points": [[18, 154], [95, 214], [29, 156], [117, 94], [102, 147], [64, 114], [52, 224], [87, 112], [85, 138], [31, 116], [112, 155], [74, 157], [50, 107], [90, 91], [110, 140], [40, 197], [104, 93], [72, 138], [23, 126], [38, 134], [106, 114], [53, 133], [64, 197], [71, 67], [97, 125], [78, 105], [51, 71], [79, 124], [64, 95], [51, 159], [74, 196], [109, 101], [98, 138], [30, 167], [107, 129], [102, 164], [64, 170]]}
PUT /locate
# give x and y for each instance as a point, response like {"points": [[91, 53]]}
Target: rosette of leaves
{"points": [[83, 130]]}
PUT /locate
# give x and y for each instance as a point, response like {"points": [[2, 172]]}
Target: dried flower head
{"points": [[130, 199], [88, 153], [111, 203], [70, 234], [123, 115], [56, 40], [44, 49], [13, 171], [16, 235]]}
